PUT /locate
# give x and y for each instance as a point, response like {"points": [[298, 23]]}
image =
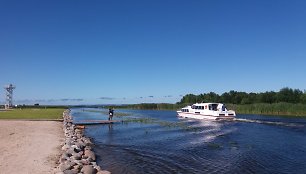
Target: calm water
{"points": [[253, 144]]}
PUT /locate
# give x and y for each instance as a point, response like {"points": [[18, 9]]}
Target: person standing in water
{"points": [[110, 114]]}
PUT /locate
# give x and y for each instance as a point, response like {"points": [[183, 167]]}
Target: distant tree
{"points": [[234, 97], [253, 98], [289, 95], [210, 97], [303, 98], [226, 98], [189, 98], [249, 98], [267, 97]]}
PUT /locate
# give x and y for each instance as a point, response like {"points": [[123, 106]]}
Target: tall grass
{"points": [[282, 108], [289, 109]]}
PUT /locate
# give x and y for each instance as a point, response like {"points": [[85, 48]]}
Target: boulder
{"points": [[104, 172], [90, 155], [64, 166], [88, 169], [85, 162], [71, 172], [77, 156]]}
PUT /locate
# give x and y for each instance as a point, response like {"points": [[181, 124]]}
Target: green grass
{"points": [[286, 109], [32, 114]]}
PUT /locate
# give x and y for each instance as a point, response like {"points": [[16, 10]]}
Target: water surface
{"points": [[167, 144]]}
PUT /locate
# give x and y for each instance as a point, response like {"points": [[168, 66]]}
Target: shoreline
{"points": [[77, 150]]}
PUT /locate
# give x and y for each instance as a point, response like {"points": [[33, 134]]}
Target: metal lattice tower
{"points": [[9, 95]]}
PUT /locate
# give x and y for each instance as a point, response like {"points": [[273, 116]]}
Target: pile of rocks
{"points": [[77, 156]]}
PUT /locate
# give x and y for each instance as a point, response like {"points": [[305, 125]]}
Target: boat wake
{"points": [[269, 122]]}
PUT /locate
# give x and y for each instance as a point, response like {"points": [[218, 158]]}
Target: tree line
{"points": [[287, 101], [287, 95]]}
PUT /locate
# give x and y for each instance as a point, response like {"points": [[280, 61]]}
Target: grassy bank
{"points": [[288, 109], [33, 113]]}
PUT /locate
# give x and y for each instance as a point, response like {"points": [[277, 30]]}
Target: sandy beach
{"points": [[29, 147]]}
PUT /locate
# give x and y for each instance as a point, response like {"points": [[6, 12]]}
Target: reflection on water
{"points": [[252, 144]]}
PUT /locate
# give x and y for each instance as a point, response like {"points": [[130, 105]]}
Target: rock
{"points": [[66, 155], [77, 156], [70, 152], [78, 162], [85, 162], [76, 150], [104, 172], [87, 148], [90, 155], [65, 147], [71, 172], [78, 167], [98, 168], [80, 145], [64, 167], [87, 169], [70, 163]]}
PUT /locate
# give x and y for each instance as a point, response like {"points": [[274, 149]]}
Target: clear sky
{"points": [[133, 51]]}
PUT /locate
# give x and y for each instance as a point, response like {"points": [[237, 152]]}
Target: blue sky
{"points": [[108, 51]]}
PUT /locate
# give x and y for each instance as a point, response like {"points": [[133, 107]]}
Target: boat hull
{"points": [[202, 116]]}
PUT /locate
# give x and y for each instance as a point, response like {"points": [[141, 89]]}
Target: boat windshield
{"points": [[213, 107]]}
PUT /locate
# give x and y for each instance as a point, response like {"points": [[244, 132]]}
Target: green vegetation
{"points": [[285, 102], [286, 95], [271, 109], [33, 113]]}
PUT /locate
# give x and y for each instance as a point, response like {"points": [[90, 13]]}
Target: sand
{"points": [[30, 147]]}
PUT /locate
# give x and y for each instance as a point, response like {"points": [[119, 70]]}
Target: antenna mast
{"points": [[9, 96]]}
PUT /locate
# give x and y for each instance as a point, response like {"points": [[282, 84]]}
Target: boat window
{"points": [[184, 110], [214, 107]]}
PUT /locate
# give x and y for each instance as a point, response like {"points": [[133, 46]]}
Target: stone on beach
{"points": [[64, 166], [90, 155], [88, 169], [77, 156]]}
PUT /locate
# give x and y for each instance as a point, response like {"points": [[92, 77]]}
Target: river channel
{"points": [[150, 141]]}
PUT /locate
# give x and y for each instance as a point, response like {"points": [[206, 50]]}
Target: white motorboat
{"points": [[212, 111]]}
